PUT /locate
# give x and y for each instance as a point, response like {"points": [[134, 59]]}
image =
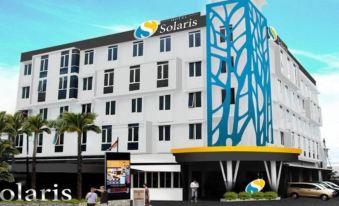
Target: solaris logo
{"points": [[146, 29]]}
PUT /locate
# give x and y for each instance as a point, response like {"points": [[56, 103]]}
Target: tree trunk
{"points": [[79, 179], [35, 143], [13, 156]]}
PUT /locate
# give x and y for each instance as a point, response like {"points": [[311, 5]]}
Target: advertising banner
{"points": [[139, 197], [118, 175]]}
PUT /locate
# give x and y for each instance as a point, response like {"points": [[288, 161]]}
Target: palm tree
{"points": [[16, 126], [80, 123], [6, 151], [37, 125], [60, 126], [4, 124]]}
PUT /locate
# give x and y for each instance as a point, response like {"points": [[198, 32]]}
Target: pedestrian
{"points": [[104, 195], [194, 190], [91, 197], [147, 196]]}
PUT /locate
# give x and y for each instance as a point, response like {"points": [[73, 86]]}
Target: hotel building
{"points": [[216, 97]]}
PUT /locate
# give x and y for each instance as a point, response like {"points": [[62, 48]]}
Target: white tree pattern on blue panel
{"points": [[248, 74]]}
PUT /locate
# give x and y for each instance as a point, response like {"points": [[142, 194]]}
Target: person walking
{"points": [[147, 196], [194, 190], [104, 195], [91, 197]]}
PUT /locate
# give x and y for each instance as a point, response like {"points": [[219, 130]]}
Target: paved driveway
{"points": [[283, 202]]}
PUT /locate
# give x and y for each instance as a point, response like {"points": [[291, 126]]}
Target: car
{"points": [[328, 186], [331, 183], [307, 189]]}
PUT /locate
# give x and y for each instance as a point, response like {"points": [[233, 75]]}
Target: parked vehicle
{"points": [[331, 183], [306, 189], [328, 186]]}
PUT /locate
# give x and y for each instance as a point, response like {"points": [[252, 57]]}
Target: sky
{"points": [[310, 28]]}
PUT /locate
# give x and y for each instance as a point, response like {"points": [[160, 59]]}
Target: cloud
{"points": [[328, 86], [9, 85], [115, 28], [330, 61]]}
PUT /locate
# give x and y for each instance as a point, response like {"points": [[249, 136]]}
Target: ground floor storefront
{"points": [[171, 181]]}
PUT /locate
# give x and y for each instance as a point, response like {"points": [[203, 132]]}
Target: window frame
{"points": [[165, 44], [194, 39], [112, 53], [138, 48], [89, 57]]}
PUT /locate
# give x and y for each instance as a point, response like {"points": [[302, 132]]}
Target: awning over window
{"points": [[157, 168], [242, 153]]}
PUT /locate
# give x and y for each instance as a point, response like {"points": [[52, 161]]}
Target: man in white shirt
{"points": [[91, 197], [194, 188]]}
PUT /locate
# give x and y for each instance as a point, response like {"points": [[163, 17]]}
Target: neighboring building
{"points": [[203, 90]]}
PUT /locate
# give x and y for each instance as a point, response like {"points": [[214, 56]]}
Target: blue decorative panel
{"points": [[239, 106]]}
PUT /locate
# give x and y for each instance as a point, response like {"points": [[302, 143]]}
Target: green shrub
{"points": [[257, 195], [244, 195], [230, 195], [270, 195]]}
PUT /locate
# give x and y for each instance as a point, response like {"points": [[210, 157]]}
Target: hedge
{"points": [[230, 195]]}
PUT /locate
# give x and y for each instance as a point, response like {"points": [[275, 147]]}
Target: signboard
{"points": [[139, 197], [152, 27], [118, 175], [255, 186]]}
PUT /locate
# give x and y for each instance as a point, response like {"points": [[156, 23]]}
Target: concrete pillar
{"points": [[320, 176], [311, 176], [300, 175], [274, 175], [229, 172]]}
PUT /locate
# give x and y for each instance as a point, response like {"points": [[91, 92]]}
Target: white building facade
{"points": [[154, 95]]}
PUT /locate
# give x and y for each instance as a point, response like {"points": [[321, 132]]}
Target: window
{"points": [[282, 138], [194, 99], [73, 89], [165, 133], [59, 143], [42, 90], [138, 48], [162, 77], [108, 81], [64, 62], [165, 44], [19, 141], [137, 105], [43, 66], [40, 141], [165, 179], [87, 83], [222, 34], [62, 94], [43, 113], [133, 137], [25, 93], [112, 53], [86, 108], [110, 108], [28, 69], [84, 142], [223, 66], [223, 96], [195, 131], [165, 102], [156, 179], [194, 39], [195, 69], [75, 61], [64, 109], [89, 55], [106, 135], [134, 78]]}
